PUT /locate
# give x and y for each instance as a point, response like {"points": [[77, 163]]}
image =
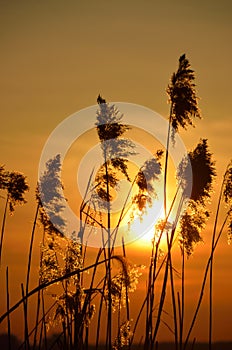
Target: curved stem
{"points": [[47, 284]]}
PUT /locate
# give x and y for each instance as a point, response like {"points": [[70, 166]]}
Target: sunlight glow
{"points": [[144, 228], [143, 225]]}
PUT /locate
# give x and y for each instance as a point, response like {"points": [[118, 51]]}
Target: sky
{"points": [[57, 56]]}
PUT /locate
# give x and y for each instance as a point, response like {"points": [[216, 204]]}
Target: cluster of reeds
{"points": [[92, 299]]}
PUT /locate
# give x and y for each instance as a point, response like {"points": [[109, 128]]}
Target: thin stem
{"points": [[204, 283], [44, 321], [173, 302], [166, 163], [37, 321], [26, 338], [3, 226], [39, 297], [99, 314], [108, 273], [29, 259], [126, 286], [30, 249], [67, 317], [165, 279], [35, 328], [180, 315], [8, 307], [211, 267], [155, 276], [161, 303], [148, 303], [182, 296]]}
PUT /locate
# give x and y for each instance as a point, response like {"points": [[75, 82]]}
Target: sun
{"points": [[142, 226], [147, 238]]}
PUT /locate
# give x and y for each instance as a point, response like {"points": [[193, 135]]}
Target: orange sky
{"points": [[57, 56]]}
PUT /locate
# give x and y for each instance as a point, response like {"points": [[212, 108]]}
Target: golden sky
{"points": [[57, 56]]}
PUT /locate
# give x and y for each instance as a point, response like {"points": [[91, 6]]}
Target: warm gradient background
{"points": [[56, 56]]}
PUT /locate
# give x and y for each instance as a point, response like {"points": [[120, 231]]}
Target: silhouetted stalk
{"points": [[161, 302], [39, 297], [119, 308], [44, 321], [211, 267], [82, 207], [180, 316], [145, 300], [178, 214], [99, 314], [67, 326], [58, 342], [138, 317], [30, 257], [7, 308], [86, 338], [88, 295], [3, 226], [126, 286], [35, 328], [26, 339], [143, 305], [166, 271], [166, 163], [94, 219], [148, 303], [78, 340], [31, 246], [102, 296], [69, 340], [182, 296], [151, 294], [64, 333], [173, 302], [167, 267], [152, 291], [108, 273], [41, 335], [37, 321], [149, 308], [204, 283], [155, 275], [71, 333], [193, 344], [148, 322]]}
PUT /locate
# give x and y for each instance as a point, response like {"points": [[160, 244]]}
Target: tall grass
{"points": [[93, 296]]}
